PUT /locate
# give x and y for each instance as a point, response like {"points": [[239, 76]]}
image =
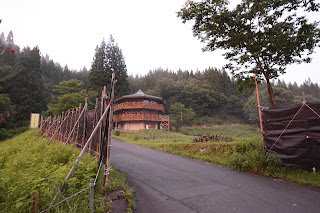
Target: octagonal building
{"points": [[140, 111]]}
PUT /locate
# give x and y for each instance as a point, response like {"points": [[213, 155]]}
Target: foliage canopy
{"points": [[260, 37]]}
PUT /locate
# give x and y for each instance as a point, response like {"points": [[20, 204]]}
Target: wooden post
{"points": [[77, 135], [110, 128], [75, 125], [261, 128], [34, 206], [93, 125], [303, 98], [58, 124], [59, 130], [84, 124], [71, 125], [91, 195], [63, 116], [50, 125], [103, 95]]}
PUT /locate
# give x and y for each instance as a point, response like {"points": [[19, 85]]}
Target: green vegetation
{"points": [[235, 131], [259, 37], [66, 96], [108, 58], [27, 164], [211, 97], [245, 153]]}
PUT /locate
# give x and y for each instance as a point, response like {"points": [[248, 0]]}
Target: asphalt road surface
{"points": [[166, 183]]}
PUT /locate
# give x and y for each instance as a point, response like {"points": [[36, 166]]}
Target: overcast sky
{"points": [[148, 32]]}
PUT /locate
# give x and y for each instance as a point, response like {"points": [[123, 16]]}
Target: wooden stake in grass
{"points": [[91, 195], [34, 206]]}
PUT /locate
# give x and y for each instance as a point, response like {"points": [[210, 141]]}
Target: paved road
{"points": [[166, 183]]}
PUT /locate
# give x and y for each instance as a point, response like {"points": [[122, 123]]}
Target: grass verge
{"points": [[245, 153], [28, 165]]}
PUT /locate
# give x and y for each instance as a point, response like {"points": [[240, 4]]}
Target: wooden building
{"points": [[140, 111]]}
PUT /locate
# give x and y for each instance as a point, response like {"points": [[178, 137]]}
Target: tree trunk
{"points": [[270, 90], [271, 95]]}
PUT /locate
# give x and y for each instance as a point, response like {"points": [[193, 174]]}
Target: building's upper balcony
{"points": [[139, 105]]}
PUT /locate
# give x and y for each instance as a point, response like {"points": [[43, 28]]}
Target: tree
{"points": [[97, 76], [181, 115], [67, 95], [116, 63], [260, 37], [25, 86], [108, 58]]}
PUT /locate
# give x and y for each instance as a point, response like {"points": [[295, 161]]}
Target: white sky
{"points": [[149, 33]]}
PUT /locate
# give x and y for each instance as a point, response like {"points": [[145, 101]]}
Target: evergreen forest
{"points": [[31, 82]]}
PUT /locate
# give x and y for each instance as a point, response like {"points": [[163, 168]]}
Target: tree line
{"points": [[33, 83], [213, 97]]}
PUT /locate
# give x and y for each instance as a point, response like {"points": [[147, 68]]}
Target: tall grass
{"points": [[234, 131], [27, 165]]}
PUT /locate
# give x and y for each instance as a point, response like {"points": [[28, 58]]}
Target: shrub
{"points": [[250, 156]]}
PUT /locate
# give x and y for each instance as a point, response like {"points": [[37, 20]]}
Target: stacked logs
{"points": [[212, 138]]}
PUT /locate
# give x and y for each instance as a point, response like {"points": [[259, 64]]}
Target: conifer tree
{"points": [[26, 86], [108, 58], [97, 77], [115, 63]]}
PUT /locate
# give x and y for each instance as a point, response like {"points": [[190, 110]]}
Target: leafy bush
{"points": [[9, 133], [250, 156]]}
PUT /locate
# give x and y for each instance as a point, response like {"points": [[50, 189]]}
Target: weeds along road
{"points": [[166, 183]]}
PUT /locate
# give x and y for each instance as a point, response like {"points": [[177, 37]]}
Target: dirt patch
{"points": [[118, 202]]}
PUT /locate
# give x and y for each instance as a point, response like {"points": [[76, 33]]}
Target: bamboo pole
{"points": [[71, 124], [58, 124], [57, 130], [70, 133], [93, 125], [84, 124], [110, 129], [101, 110], [47, 132], [259, 109], [60, 129], [67, 127], [74, 136], [79, 158], [77, 135]]}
